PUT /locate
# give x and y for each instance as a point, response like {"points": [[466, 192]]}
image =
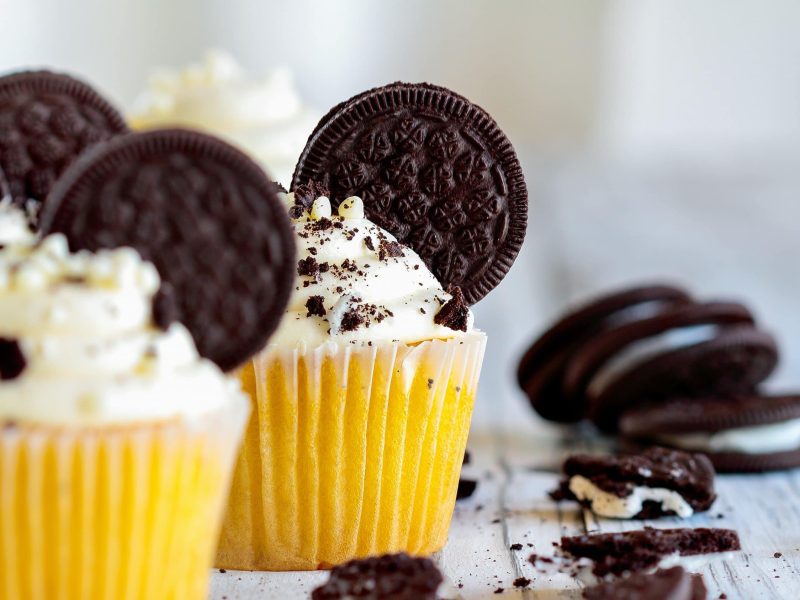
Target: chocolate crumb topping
{"points": [[307, 267], [351, 320], [369, 243], [390, 249], [522, 582], [279, 187], [455, 313], [316, 306], [304, 195], [12, 361]]}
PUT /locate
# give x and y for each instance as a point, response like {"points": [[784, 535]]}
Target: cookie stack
{"points": [[652, 363]]}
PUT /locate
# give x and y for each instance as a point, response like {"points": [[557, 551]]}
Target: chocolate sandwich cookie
{"points": [[541, 369], [634, 551], [433, 169], [657, 482], [745, 434], [664, 584], [204, 214], [687, 350], [388, 577], [46, 121]]}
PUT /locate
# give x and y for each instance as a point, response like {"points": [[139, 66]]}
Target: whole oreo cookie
{"points": [[433, 169], [208, 218], [541, 368], [600, 362], [734, 361], [742, 434], [46, 120]]}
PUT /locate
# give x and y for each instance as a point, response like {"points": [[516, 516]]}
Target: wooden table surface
{"points": [[727, 230]]}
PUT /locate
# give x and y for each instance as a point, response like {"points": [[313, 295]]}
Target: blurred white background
{"points": [[660, 138]]}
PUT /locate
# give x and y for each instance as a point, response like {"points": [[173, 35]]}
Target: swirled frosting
{"points": [[78, 346], [358, 285], [265, 116]]}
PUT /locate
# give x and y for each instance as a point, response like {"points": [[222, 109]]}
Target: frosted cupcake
{"points": [[361, 401], [408, 203], [263, 116], [116, 438], [166, 258]]}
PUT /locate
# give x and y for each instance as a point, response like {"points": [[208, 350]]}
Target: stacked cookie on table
{"points": [[655, 365]]}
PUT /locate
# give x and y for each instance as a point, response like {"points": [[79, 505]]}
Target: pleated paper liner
{"points": [[351, 451], [114, 513]]}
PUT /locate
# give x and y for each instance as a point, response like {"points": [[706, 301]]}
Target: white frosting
{"points": [[264, 116], [14, 225], [757, 439], [363, 271], [93, 356], [609, 505]]}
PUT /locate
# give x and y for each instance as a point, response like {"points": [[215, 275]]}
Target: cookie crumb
{"points": [[455, 313], [522, 582], [316, 306]]}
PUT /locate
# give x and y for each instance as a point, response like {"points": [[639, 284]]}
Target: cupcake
{"points": [[361, 404], [408, 203], [162, 261], [116, 437], [264, 116]]}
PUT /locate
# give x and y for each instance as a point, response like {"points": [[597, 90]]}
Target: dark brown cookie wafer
{"points": [[205, 215], [738, 462], [46, 120], [387, 577], [669, 421], [541, 368], [634, 551], [433, 169], [664, 584], [4, 189], [734, 361]]}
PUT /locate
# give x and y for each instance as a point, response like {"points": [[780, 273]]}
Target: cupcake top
{"points": [[264, 116], [358, 285], [78, 345]]}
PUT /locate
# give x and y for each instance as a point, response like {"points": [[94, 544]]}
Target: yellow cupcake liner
{"points": [[114, 513], [351, 452]]}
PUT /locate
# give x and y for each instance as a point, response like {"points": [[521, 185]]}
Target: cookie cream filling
{"points": [[757, 439], [78, 345], [606, 504], [357, 284], [264, 116]]}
